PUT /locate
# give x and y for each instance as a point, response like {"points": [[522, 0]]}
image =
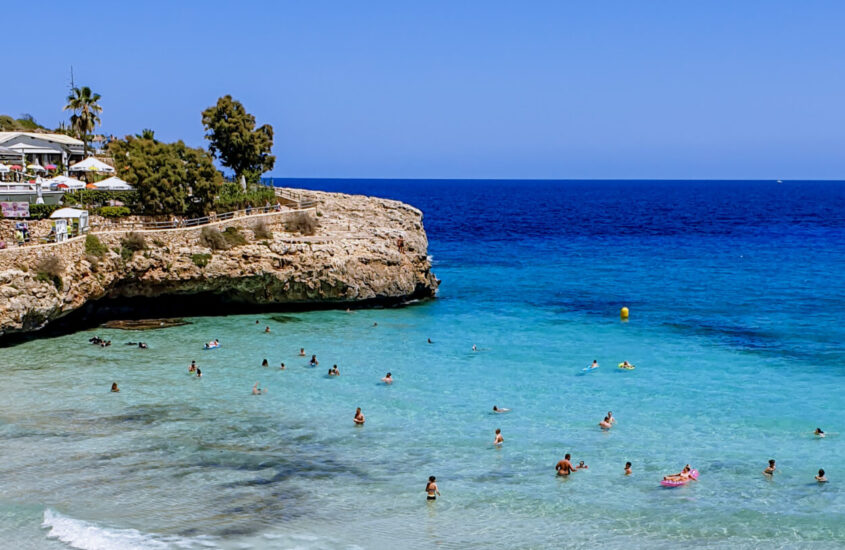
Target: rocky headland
{"points": [[265, 262]]}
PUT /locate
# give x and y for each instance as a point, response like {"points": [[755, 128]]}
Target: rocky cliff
{"points": [[255, 262]]}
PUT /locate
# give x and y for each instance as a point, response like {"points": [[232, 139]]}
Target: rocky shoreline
{"points": [[351, 260]]}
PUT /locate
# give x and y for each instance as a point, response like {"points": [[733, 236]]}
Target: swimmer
{"points": [[429, 341], [628, 469], [256, 321], [627, 365], [821, 478], [302, 352], [605, 424], [375, 324], [595, 364], [610, 417], [199, 373], [359, 417], [266, 330], [771, 468], [282, 366], [388, 378], [193, 367], [582, 466], [256, 390], [474, 348], [564, 467], [114, 387], [499, 439], [313, 361], [500, 411], [335, 372], [142, 345], [818, 432], [683, 475], [431, 490], [265, 363]]}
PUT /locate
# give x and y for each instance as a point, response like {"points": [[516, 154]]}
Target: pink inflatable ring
{"points": [[671, 483]]}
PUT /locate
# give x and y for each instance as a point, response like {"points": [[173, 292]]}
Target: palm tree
{"points": [[83, 102]]}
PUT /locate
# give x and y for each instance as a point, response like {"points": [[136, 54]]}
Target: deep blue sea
{"points": [[736, 292]]}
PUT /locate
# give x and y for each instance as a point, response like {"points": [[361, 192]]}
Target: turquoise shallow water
{"points": [[736, 336]]}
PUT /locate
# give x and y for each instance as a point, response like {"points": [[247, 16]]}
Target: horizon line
{"points": [[560, 179]]}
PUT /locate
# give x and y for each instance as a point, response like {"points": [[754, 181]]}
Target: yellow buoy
{"points": [[623, 313]]}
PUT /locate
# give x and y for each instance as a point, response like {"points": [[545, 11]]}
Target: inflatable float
{"points": [[677, 483], [211, 346], [626, 367]]}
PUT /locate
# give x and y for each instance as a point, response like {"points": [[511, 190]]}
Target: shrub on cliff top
{"points": [[41, 211], [234, 236], [113, 212], [212, 238], [134, 241], [94, 246], [302, 223], [50, 268], [262, 231]]}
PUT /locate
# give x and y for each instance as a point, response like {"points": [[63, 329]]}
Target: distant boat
{"points": [[780, 181]]}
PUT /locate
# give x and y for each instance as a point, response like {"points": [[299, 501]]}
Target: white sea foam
{"points": [[84, 535]]}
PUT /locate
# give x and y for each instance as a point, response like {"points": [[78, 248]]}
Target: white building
{"points": [[43, 149]]}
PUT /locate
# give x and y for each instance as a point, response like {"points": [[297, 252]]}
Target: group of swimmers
{"points": [[564, 467], [97, 341]]}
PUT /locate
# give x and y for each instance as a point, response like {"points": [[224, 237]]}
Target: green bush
{"points": [[113, 212], [96, 197], [94, 246], [232, 197], [212, 238], [41, 211], [132, 243], [201, 260], [234, 237]]}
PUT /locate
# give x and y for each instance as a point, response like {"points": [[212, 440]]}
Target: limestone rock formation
{"points": [[353, 258]]}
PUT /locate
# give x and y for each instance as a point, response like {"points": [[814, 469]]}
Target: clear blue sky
{"points": [[627, 89]]}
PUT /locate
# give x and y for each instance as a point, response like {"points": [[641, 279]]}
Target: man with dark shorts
{"points": [[564, 467]]}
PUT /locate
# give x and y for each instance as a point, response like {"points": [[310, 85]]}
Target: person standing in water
{"points": [[282, 366], [193, 367], [388, 379], [431, 490], [564, 467], [267, 330], [628, 469], [314, 361], [770, 470], [114, 387], [359, 417], [302, 352], [199, 373], [821, 477], [499, 439], [265, 363]]}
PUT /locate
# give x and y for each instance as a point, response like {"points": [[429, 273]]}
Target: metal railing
{"points": [[192, 222], [124, 226]]}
